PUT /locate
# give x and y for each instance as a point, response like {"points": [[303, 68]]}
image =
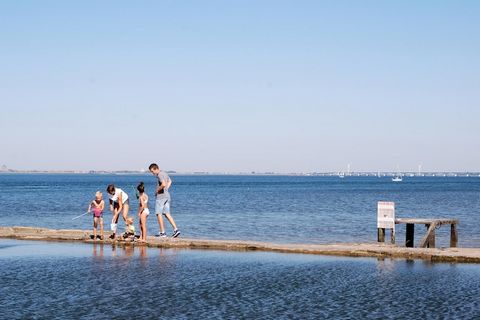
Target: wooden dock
{"points": [[378, 250], [428, 240]]}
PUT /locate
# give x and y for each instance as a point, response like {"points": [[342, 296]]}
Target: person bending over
{"points": [[118, 203]]}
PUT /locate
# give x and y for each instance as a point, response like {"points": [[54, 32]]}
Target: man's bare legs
{"points": [[162, 224]]}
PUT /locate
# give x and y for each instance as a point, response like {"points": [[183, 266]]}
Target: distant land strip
{"points": [[254, 173]]}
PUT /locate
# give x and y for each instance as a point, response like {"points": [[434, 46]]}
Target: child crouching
{"points": [[129, 234]]}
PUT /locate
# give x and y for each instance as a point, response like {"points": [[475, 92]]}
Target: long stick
{"points": [[80, 215]]}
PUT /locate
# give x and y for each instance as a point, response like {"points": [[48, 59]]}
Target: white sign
{"points": [[386, 215]]}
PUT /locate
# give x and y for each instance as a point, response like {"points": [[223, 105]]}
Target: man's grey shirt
{"points": [[163, 177]]}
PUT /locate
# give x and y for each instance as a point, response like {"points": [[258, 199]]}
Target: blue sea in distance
{"points": [[286, 209]]}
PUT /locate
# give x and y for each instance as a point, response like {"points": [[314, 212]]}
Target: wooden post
{"points": [[426, 237], [381, 234], [453, 235], [409, 239], [431, 238], [392, 236], [428, 240]]}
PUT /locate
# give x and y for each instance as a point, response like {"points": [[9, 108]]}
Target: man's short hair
{"points": [[153, 166]]}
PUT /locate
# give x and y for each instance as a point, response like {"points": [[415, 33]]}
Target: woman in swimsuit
{"points": [[143, 211]]}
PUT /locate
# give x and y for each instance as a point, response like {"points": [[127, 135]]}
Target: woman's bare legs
{"points": [[116, 216], [143, 227], [126, 207]]}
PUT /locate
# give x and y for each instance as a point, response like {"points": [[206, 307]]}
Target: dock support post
{"points": [[431, 236], [381, 234], [428, 240], [453, 235], [392, 236], [410, 235]]}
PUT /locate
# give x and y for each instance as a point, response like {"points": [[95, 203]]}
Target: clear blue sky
{"points": [[240, 85]]}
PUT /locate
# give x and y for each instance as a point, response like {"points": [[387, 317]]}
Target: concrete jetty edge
{"points": [[376, 250]]}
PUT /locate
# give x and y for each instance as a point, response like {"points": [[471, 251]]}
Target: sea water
{"points": [[49, 280], [43, 280], [286, 209]]}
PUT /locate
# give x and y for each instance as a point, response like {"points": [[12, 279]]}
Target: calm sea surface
{"points": [[84, 281], [267, 208]]}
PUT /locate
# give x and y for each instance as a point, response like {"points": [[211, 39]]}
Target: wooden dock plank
{"points": [[431, 223], [438, 221]]}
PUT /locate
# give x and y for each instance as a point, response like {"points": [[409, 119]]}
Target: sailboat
{"points": [[397, 177], [343, 174]]}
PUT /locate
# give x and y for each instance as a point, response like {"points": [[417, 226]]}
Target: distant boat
{"points": [[397, 178], [341, 175]]}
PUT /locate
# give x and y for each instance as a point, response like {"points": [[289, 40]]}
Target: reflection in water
{"points": [[83, 282], [386, 266], [122, 251], [142, 252], [129, 251], [98, 251], [167, 257], [114, 250]]}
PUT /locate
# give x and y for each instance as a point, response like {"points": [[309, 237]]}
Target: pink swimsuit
{"points": [[97, 212]]}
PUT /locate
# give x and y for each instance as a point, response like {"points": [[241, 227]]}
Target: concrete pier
{"points": [[378, 250]]}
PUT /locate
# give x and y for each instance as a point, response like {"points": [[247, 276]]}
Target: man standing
{"points": [[162, 202]]}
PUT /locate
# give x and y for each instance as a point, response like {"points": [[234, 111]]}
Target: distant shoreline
{"points": [[302, 174]]}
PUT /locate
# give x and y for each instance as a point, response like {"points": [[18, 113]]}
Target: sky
{"points": [[240, 86]]}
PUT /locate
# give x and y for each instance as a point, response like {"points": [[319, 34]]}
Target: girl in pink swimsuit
{"points": [[96, 206]]}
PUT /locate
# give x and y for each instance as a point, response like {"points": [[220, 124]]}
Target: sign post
{"points": [[385, 220]]}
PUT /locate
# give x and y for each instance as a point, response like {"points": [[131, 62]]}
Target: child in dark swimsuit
{"points": [[97, 206]]}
